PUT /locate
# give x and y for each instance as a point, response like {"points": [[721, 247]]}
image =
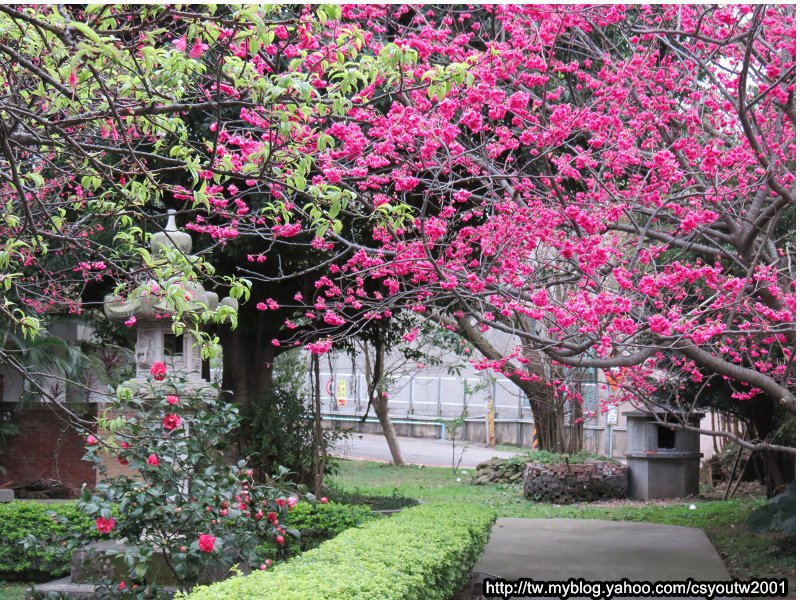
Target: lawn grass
{"points": [[746, 554], [13, 590]]}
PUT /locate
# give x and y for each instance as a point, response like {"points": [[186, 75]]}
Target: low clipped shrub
{"points": [[395, 501], [317, 523], [424, 553], [50, 524]]}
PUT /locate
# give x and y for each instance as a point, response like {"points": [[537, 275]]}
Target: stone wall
{"points": [[566, 483]]}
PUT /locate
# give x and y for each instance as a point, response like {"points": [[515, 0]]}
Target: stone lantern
{"points": [[155, 340], [663, 462]]}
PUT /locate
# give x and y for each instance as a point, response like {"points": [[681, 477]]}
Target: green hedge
{"points": [[50, 524], [424, 553], [317, 523]]}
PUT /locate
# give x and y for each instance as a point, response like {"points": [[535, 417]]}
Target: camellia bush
{"points": [[183, 513]]}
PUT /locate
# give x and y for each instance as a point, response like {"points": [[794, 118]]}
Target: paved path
{"points": [[560, 549], [416, 451]]}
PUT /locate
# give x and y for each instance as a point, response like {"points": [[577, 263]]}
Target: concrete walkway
{"points": [[560, 549], [416, 451]]}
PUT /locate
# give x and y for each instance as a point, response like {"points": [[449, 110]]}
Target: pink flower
{"points": [[320, 347], [279, 539], [121, 585], [158, 371], [180, 44], [660, 325], [281, 502], [324, 500], [130, 322], [73, 80], [171, 421], [206, 542], [104, 525], [172, 400], [91, 440], [292, 501], [152, 460], [198, 49]]}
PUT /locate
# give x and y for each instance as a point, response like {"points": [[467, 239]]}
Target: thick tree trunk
{"points": [[246, 366], [546, 418], [247, 373]]}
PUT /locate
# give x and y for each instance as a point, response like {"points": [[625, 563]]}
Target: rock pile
{"points": [[498, 470], [564, 483]]}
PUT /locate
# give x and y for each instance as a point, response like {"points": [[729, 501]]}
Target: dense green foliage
{"points": [[48, 523], [317, 523], [278, 428], [551, 458], [425, 552], [393, 500]]}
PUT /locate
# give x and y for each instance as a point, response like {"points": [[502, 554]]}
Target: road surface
{"points": [[416, 451]]}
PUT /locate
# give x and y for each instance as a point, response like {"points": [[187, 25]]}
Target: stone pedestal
{"points": [[662, 462]]}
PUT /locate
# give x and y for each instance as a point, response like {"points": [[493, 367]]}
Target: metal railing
{"points": [[437, 397]]}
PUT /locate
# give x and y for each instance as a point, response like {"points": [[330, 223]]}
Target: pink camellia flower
{"points": [[206, 542], [91, 440], [104, 525], [180, 43], [292, 501], [172, 400], [171, 421], [158, 371], [130, 322], [279, 540], [152, 460], [121, 585], [198, 49], [324, 500]]}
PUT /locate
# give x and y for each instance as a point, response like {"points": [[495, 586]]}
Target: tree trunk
{"points": [[540, 396], [381, 407], [246, 366], [374, 374], [320, 454], [247, 372]]}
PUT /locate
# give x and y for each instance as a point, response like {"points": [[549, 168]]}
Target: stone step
{"points": [[64, 586]]}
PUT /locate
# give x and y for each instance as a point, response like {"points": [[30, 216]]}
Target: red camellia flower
{"points": [[172, 400], [152, 460], [281, 502], [158, 371], [104, 525], [171, 421], [279, 539], [91, 440], [206, 542], [121, 585]]}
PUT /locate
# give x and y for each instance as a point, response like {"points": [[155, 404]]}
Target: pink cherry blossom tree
{"points": [[613, 185]]}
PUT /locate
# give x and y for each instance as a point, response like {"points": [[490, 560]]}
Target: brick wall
{"points": [[45, 448]]}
